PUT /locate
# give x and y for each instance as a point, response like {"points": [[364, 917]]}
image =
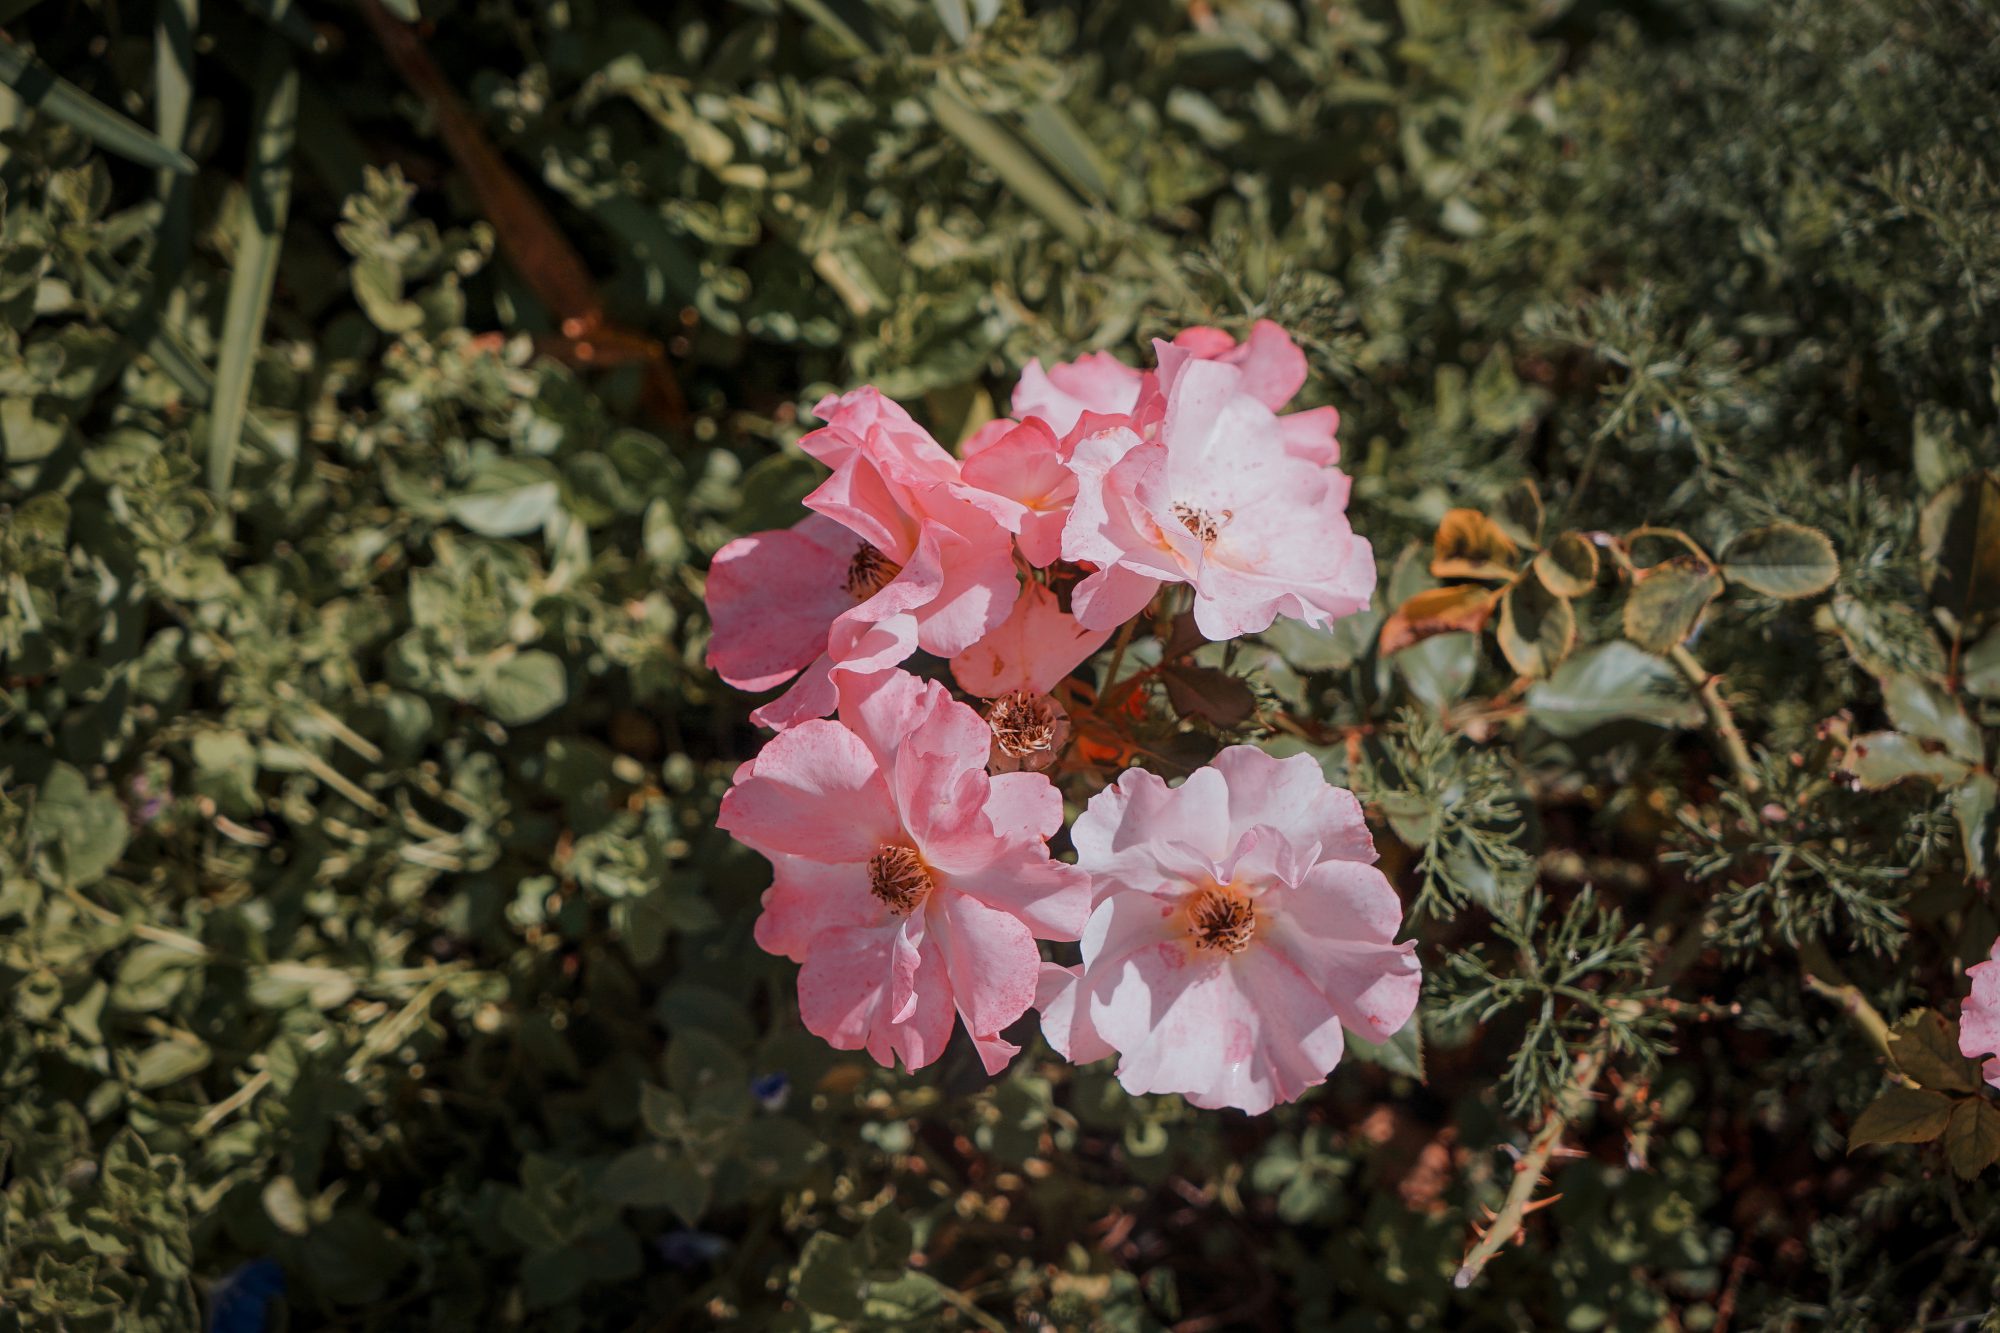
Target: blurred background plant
{"points": [[374, 385]]}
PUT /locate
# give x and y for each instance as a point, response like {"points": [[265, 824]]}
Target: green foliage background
{"points": [[360, 904]]}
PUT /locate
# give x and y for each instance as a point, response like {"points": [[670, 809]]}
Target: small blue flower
{"points": [[240, 1300], [690, 1249], [771, 1090]]}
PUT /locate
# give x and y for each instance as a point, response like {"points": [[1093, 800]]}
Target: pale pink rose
{"points": [[1217, 502], [1274, 369], [1033, 648], [911, 885], [904, 555], [1979, 1020], [1239, 926], [1097, 382]]}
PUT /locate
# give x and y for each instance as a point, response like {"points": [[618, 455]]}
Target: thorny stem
{"points": [[1575, 1098], [1708, 689]]}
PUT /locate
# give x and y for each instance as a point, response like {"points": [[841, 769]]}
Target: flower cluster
{"points": [[1231, 926]]}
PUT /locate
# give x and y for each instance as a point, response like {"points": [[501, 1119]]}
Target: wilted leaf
{"points": [[1883, 758], [1569, 566], [1437, 611], [1972, 1138], [1784, 560], [526, 686], [1921, 709], [1537, 627], [1667, 601], [1609, 683], [1470, 545], [1901, 1115], [1210, 694], [1924, 1045], [1959, 532]]}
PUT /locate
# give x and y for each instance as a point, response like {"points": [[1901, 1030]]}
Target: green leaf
{"points": [[654, 1175], [1667, 601], [1439, 670], [84, 828], [1784, 560], [38, 85], [829, 1280], [1921, 709], [1610, 683], [1972, 1139], [1886, 638], [1901, 1115], [1537, 627], [1979, 666], [285, 1206], [1403, 1053], [259, 239], [1959, 536], [170, 1061], [283, 985], [1209, 693], [1972, 803], [1569, 566], [526, 686], [1883, 758], [1924, 1045], [507, 496]]}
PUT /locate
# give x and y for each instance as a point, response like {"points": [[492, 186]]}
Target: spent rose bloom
{"points": [[1219, 503], [902, 555], [1016, 665], [1239, 926], [910, 884], [1979, 1020]]}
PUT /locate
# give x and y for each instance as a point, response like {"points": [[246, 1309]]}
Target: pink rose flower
{"points": [[910, 884], [1034, 647], [1274, 369], [906, 556], [1979, 1020], [1239, 926], [1273, 366], [1097, 382], [1217, 502]]}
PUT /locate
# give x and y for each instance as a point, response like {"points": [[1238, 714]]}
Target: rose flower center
{"points": [[1219, 919], [899, 877], [868, 572], [1204, 525], [1023, 724]]}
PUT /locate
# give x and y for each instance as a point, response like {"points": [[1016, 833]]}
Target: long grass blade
{"points": [[174, 23], [290, 20], [40, 87], [1061, 140], [262, 236], [1016, 167]]}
